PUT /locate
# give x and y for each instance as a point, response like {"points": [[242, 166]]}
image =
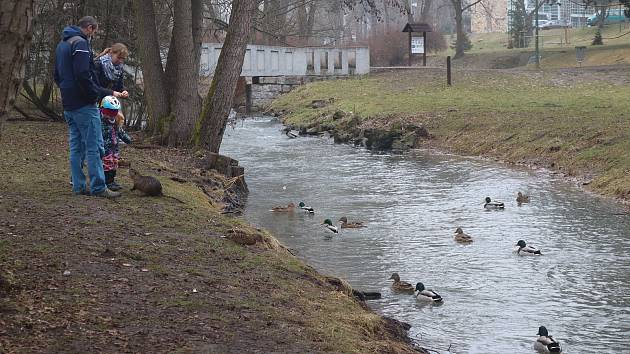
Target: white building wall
{"points": [[263, 60]]}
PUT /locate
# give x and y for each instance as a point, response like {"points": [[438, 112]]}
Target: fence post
{"points": [[448, 70]]}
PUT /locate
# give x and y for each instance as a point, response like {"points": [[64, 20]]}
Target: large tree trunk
{"points": [[186, 103], [152, 70], [218, 102], [15, 37]]}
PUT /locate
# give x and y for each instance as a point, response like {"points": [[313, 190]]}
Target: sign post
{"points": [[418, 44]]}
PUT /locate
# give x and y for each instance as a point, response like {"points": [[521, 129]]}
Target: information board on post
{"points": [[417, 45]]}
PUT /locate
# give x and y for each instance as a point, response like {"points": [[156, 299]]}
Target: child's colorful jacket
{"points": [[112, 134]]}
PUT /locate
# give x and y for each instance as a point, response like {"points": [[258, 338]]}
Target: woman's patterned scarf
{"points": [[112, 71]]}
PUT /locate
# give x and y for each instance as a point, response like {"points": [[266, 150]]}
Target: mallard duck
{"points": [[490, 204], [306, 208], [329, 225], [293, 134], [349, 225], [545, 343], [401, 286], [426, 294], [525, 250], [288, 208], [461, 237], [522, 198]]}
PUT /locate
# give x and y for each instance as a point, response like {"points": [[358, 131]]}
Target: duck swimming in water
{"points": [[522, 198], [493, 205], [545, 343], [525, 250], [426, 294], [401, 286], [349, 225], [288, 208], [461, 237], [306, 208], [329, 225]]}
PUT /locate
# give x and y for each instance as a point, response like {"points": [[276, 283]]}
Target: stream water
{"points": [[494, 300]]}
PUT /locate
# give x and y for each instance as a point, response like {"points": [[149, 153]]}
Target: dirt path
{"points": [[140, 274]]}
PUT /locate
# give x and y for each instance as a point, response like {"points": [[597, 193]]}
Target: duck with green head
{"points": [[330, 227], [545, 343], [526, 250], [307, 209], [426, 294], [401, 286], [493, 204]]}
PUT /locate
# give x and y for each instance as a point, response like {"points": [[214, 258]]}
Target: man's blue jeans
{"points": [[85, 138]]}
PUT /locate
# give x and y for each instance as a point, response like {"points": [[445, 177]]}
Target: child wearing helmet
{"points": [[113, 132]]}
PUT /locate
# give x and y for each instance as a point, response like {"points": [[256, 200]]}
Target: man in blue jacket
{"points": [[74, 74]]}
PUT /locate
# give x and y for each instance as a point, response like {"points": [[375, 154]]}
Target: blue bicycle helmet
{"points": [[110, 102]]}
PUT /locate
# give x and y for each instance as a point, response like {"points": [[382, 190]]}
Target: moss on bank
{"points": [[143, 274], [577, 121]]}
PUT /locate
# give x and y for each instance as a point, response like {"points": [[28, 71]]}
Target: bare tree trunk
{"points": [[462, 40], [171, 63], [306, 20], [153, 72], [459, 25], [15, 37], [602, 13], [197, 31], [269, 7], [426, 10], [218, 102], [408, 11], [186, 104]]}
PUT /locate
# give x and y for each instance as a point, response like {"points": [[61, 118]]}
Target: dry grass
{"points": [[152, 274]]}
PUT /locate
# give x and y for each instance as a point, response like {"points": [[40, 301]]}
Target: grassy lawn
{"points": [[577, 122], [555, 51]]}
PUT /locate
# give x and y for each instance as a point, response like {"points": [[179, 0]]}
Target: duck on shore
{"points": [[280, 209], [545, 343], [461, 237], [306, 208], [522, 198], [330, 227], [349, 225], [493, 205], [526, 250], [401, 286], [426, 294]]}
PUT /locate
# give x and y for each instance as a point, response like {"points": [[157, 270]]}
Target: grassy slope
{"points": [[577, 121], [494, 45], [134, 264]]}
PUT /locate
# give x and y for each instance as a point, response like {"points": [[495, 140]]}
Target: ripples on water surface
{"points": [[412, 203]]}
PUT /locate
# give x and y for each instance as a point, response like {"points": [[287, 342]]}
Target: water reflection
{"points": [[494, 301]]}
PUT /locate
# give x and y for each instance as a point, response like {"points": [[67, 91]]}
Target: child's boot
{"points": [[109, 180]]}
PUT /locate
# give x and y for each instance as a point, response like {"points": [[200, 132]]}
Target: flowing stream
{"points": [[494, 300]]}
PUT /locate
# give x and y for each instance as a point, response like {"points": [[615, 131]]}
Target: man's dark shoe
{"points": [[83, 192], [114, 186], [107, 194]]}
